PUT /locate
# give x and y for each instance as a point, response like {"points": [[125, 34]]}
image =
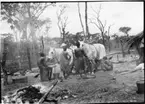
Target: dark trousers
{"points": [[49, 72]]}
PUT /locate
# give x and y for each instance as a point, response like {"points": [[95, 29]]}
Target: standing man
{"points": [[64, 61], [43, 67], [79, 62]]}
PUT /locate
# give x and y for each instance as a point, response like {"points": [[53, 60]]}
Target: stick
{"points": [[132, 71], [43, 98]]}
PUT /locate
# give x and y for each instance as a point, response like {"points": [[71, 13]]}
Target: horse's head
{"points": [[51, 54], [82, 44]]}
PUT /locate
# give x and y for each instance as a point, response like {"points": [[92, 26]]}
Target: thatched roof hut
{"points": [[136, 41]]}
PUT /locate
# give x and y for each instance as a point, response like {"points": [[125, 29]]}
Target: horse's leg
{"points": [[68, 71], [64, 74], [93, 66], [88, 65], [84, 66], [80, 73], [72, 67]]}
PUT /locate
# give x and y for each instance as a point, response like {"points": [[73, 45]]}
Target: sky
{"points": [[120, 14]]}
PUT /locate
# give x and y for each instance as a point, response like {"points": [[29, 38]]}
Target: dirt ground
{"points": [[106, 87]]}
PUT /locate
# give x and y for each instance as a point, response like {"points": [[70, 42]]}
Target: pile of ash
{"points": [[28, 94], [32, 94]]}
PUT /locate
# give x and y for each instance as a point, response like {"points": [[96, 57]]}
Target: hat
{"points": [[63, 45]]}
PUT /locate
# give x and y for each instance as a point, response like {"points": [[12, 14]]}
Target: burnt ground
{"points": [[102, 88]]}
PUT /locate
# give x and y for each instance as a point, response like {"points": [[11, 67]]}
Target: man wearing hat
{"points": [[64, 46], [64, 61]]}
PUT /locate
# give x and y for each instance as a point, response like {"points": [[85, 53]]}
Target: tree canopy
{"points": [[125, 30]]}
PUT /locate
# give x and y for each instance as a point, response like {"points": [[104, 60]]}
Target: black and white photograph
{"points": [[72, 52]]}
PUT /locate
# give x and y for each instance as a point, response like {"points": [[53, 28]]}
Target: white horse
{"points": [[93, 52], [55, 53]]}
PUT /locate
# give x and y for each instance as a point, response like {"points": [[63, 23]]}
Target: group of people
{"points": [[47, 67], [80, 64]]}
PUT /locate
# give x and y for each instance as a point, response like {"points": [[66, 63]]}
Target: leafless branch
{"points": [[94, 10], [95, 24], [37, 9], [42, 10], [62, 21], [97, 17], [109, 28]]}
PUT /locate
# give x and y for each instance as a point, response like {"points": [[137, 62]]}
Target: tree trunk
{"points": [[59, 28], [19, 58], [42, 44], [123, 53], [63, 34], [86, 19], [3, 63], [81, 19], [117, 42], [109, 45], [103, 39], [29, 58]]}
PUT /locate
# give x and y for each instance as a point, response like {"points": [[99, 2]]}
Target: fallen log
{"points": [[47, 93]]}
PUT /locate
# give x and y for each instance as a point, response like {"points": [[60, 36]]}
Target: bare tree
{"points": [[98, 23], [109, 37], [81, 19], [122, 40], [62, 21], [43, 24], [86, 19]]}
